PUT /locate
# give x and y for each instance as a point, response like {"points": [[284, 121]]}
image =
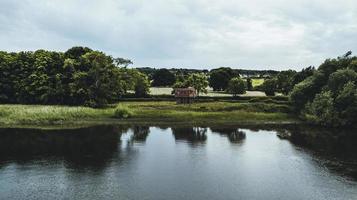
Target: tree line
{"points": [[229, 80], [79, 76], [329, 95]]}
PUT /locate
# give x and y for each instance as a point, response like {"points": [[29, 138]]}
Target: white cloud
{"points": [[255, 34]]}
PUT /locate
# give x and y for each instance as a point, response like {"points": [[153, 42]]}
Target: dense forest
{"points": [[79, 76]]}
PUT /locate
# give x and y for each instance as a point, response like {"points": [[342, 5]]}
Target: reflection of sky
{"points": [[261, 166]]}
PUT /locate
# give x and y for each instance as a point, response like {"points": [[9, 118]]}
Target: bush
{"points": [[321, 110], [269, 87], [122, 112]]}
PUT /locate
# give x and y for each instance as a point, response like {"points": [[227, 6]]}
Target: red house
{"points": [[185, 95]]}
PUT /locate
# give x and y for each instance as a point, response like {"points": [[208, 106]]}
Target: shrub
{"points": [[269, 87], [122, 112], [321, 110]]}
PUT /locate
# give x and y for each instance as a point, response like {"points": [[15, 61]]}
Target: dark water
{"points": [[177, 163]]}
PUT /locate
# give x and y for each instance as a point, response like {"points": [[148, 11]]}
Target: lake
{"points": [[140, 162]]}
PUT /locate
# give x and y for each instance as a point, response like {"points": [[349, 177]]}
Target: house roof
{"points": [[185, 92]]}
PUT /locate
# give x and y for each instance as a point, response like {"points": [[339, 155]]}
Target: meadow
{"points": [[217, 112], [257, 81]]}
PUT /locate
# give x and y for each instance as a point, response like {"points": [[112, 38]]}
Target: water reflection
{"points": [[79, 148], [234, 135], [141, 162], [193, 135], [140, 133], [338, 147]]}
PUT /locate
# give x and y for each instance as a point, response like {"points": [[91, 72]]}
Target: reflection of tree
{"points": [[190, 134], [234, 135], [337, 146], [140, 133], [333, 141], [86, 147]]}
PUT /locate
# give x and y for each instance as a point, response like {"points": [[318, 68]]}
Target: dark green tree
{"points": [[163, 77], [338, 79], [76, 52], [142, 85], [236, 86], [219, 78], [284, 81], [249, 84], [199, 81], [269, 87], [80, 76], [321, 110]]}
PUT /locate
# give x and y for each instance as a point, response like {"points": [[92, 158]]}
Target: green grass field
{"points": [[257, 81], [148, 112], [167, 91]]}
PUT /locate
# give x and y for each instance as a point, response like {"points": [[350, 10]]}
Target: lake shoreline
{"points": [[144, 122], [149, 113]]}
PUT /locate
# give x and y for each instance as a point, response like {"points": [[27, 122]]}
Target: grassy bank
{"points": [[148, 112]]}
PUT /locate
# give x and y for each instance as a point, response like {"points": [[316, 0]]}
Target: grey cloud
{"points": [[255, 34]]}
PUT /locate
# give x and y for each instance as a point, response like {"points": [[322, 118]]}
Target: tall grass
{"points": [[122, 112], [40, 114], [163, 111]]}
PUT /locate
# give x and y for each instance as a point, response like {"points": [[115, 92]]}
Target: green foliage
{"points": [[199, 81], [284, 81], [338, 79], [80, 76], [181, 84], [219, 78], [329, 95], [321, 110], [353, 65], [122, 112], [236, 86], [306, 90], [302, 75], [269, 87], [163, 77], [76, 52], [346, 104], [249, 84], [142, 86]]}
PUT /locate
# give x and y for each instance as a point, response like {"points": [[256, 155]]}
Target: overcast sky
{"points": [[251, 34]]}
